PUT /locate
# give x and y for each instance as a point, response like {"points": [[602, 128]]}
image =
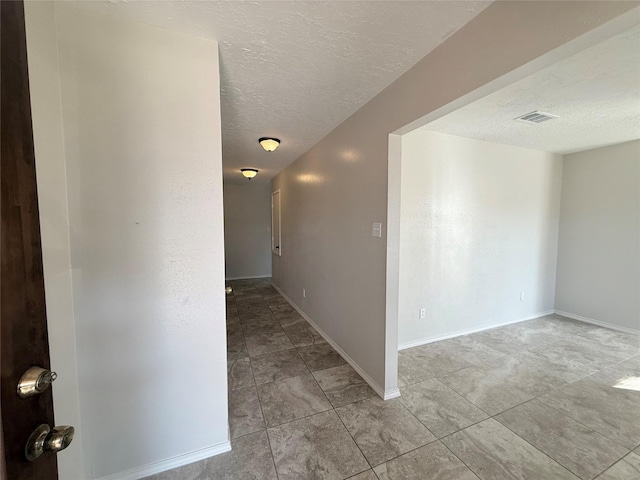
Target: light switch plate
{"points": [[376, 230]]}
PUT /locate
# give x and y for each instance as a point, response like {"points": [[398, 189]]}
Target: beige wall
{"points": [[599, 245], [332, 194], [143, 240], [247, 230], [479, 226]]}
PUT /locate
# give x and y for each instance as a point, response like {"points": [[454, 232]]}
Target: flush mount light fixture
{"points": [[249, 172], [269, 143]]}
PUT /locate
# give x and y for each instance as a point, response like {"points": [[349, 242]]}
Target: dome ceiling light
{"points": [[249, 173], [269, 143]]}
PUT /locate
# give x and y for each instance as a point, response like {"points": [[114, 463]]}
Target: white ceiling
{"points": [[296, 70], [596, 94]]}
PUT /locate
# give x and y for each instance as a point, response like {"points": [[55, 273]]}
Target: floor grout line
{"points": [[342, 422], [501, 381], [266, 428], [461, 460]]}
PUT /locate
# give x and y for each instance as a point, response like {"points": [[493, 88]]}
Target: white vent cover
{"points": [[536, 117]]}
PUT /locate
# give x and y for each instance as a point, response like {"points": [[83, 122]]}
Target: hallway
{"points": [[547, 398]]}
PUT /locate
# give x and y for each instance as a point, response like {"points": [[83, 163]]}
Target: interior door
{"points": [[23, 323], [276, 235]]}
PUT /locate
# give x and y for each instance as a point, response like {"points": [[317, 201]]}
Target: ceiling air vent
{"points": [[536, 117]]}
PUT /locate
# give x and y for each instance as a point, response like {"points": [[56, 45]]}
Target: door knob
{"points": [[34, 381], [59, 438], [44, 439]]}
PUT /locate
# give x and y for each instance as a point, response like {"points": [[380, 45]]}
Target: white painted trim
{"points": [[246, 278], [392, 290], [170, 463], [392, 393], [600, 323], [277, 252], [458, 333]]}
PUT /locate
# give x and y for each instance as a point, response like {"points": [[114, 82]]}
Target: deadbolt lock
{"points": [[34, 381]]}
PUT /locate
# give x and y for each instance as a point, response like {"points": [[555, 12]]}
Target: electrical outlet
{"points": [[522, 296], [423, 313], [304, 293]]}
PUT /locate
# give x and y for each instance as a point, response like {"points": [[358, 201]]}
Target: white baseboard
{"points": [[170, 463], [386, 395], [227, 279], [600, 323], [391, 393], [424, 341]]}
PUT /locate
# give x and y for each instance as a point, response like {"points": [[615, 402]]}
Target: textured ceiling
{"points": [[596, 94], [295, 70]]}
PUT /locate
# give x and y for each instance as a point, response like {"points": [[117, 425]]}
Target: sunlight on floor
{"points": [[629, 383]]}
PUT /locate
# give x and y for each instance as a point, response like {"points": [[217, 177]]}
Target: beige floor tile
{"points": [[315, 448], [494, 452], [433, 461], [277, 366], [366, 475], [320, 357], [439, 408], [267, 343], [302, 334], [626, 469], [342, 385], [290, 399], [329, 424], [579, 449], [245, 413], [602, 406], [489, 393], [249, 458], [239, 374], [383, 430]]}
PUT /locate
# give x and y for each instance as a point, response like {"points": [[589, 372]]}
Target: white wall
{"points": [[599, 246], [332, 194], [478, 226], [46, 109], [141, 121], [247, 230]]}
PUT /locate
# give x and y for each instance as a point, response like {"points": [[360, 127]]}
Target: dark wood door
{"points": [[23, 323]]}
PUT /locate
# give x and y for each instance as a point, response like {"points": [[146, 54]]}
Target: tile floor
{"points": [[550, 398]]}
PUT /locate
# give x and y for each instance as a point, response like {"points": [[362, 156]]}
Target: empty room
{"points": [[284, 240]]}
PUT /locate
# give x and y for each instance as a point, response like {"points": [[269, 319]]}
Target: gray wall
{"points": [[599, 246], [332, 194], [247, 230]]}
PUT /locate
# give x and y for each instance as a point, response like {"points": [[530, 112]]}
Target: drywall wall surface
{"points": [[247, 230], [333, 193], [599, 245], [478, 228], [46, 112], [143, 147]]}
